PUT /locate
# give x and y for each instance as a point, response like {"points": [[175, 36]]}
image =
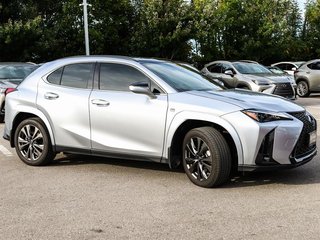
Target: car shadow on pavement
{"points": [[75, 159], [298, 176]]}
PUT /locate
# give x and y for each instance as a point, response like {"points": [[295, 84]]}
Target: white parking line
{"points": [[5, 151]]}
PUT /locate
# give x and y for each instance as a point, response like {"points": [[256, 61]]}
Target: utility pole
{"points": [[85, 21]]}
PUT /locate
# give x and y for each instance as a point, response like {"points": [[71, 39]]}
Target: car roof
{"points": [[289, 62], [232, 61]]}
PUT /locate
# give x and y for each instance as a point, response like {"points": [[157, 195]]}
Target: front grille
{"points": [[309, 125], [284, 90]]}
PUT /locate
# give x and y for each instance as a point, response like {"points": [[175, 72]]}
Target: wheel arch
{"points": [[30, 113], [300, 79], [242, 84], [181, 125]]}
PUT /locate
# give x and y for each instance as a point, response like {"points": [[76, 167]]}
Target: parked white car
{"points": [[289, 67]]}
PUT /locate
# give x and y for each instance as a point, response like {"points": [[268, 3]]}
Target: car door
{"points": [[214, 72], [314, 76], [123, 122], [63, 97], [229, 80]]}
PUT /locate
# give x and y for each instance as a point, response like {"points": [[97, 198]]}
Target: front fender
{"points": [[183, 116]]}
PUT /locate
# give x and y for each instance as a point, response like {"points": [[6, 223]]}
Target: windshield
{"points": [[250, 68], [180, 78], [16, 72]]}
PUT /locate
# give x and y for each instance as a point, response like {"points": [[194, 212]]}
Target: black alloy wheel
{"points": [[206, 157]]}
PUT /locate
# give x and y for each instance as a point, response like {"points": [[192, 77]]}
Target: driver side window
{"points": [[118, 77], [215, 68]]}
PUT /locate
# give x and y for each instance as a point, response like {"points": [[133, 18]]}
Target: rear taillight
{"points": [[9, 90]]}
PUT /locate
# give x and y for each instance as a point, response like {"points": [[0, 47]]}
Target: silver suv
{"points": [[308, 78], [154, 110], [250, 75]]}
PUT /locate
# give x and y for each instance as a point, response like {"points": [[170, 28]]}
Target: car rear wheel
{"points": [[206, 157], [32, 142], [303, 89]]}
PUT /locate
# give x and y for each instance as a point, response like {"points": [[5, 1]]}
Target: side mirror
{"points": [[229, 72], [141, 88], [294, 69]]}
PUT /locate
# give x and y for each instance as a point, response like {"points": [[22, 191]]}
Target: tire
{"points": [[303, 89], [32, 142], [206, 157]]}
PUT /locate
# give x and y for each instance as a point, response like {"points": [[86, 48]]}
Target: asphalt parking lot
{"points": [[81, 197]]}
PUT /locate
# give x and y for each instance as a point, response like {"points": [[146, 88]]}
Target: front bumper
{"points": [[277, 144], [286, 90], [257, 168]]}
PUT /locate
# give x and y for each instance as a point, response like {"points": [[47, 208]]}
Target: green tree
{"points": [[247, 29], [311, 29], [163, 29]]}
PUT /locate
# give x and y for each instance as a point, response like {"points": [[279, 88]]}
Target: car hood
{"points": [[246, 99], [9, 83], [271, 78]]}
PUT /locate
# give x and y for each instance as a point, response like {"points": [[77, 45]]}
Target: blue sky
{"points": [[301, 4]]}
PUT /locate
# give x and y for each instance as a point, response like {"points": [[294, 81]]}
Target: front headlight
{"points": [[264, 116], [260, 82]]}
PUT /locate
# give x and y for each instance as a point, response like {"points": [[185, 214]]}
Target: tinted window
{"points": [[290, 66], [179, 78], [215, 68], [16, 71], [55, 76], [226, 67], [314, 66], [119, 77], [77, 75], [282, 66]]}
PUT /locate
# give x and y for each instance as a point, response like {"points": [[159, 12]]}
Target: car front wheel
{"points": [[206, 157], [303, 89], [32, 142]]}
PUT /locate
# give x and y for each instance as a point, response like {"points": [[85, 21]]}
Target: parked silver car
{"points": [[154, 110], [289, 67], [308, 78], [250, 75], [11, 74]]}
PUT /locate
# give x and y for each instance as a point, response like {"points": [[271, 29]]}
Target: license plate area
{"points": [[312, 138]]}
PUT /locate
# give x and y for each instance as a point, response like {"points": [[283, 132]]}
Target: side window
{"points": [[119, 77], [55, 77], [77, 75], [215, 68], [314, 66], [282, 66], [290, 66], [226, 67]]}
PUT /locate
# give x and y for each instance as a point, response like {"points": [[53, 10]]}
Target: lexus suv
{"points": [[154, 110], [250, 75], [308, 78]]}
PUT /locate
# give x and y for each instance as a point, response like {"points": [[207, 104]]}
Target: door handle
{"points": [[50, 96], [100, 102]]}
